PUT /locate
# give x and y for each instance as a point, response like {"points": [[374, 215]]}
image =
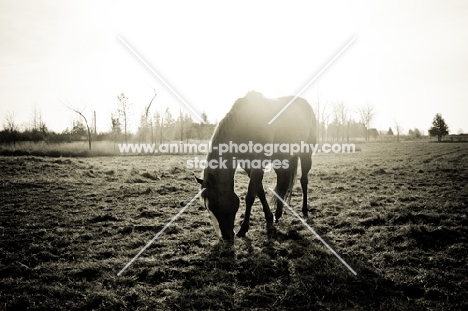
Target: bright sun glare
{"points": [[212, 53]]}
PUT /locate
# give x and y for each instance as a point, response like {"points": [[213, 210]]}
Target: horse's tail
{"points": [[286, 186]]}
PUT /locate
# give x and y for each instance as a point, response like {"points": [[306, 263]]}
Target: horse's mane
{"points": [[225, 126]]}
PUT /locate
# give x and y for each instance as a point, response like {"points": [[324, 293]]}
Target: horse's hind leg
{"points": [[256, 177], [266, 207], [280, 189], [306, 164]]}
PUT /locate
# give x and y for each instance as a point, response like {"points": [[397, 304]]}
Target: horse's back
{"points": [[249, 120], [296, 123]]}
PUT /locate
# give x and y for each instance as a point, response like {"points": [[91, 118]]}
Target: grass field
{"points": [[397, 213]]}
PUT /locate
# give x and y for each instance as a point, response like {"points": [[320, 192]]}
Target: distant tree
{"points": [[417, 133], [344, 120], [355, 129], [168, 125], [414, 133], [185, 127], [78, 129], [181, 125], [38, 129], [161, 127], [340, 119], [322, 115], [144, 122], [123, 109], [390, 132], [157, 126], [11, 128], [116, 129], [205, 129], [115, 125], [366, 114], [204, 117], [373, 133], [80, 113], [10, 123], [35, 117], [188, 127], [439, 127], [398, 129]]}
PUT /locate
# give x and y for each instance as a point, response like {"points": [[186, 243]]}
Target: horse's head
{"points": [[222, 204]]}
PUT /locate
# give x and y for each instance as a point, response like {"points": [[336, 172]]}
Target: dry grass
{"points": [[80, 149], [397, 213], [72, 149]]}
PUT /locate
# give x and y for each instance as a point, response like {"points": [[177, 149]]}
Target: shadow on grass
{"points": [[286, 271], [210, 284]]}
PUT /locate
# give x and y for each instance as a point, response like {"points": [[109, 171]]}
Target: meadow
{"points": [[396, 212]]}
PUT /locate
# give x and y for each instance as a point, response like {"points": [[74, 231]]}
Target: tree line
{"points": [[335, 122], [154, 127]]}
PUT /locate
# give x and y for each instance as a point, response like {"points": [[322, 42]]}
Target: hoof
{"points": [[270, 225], [271, 231]]}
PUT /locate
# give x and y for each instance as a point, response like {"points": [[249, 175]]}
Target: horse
{"points": [[247, 125]]}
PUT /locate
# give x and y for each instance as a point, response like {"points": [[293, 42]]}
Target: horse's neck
{"points": [[223, 173], [223, 134]]}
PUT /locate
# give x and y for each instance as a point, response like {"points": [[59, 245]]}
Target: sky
{"points": [[408, 59]]}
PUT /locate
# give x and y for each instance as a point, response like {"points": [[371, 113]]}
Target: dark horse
{"points": [[247, 124]]}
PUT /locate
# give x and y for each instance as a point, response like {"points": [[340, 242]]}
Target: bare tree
{"points": [[11, 127], [88, 129], [188, 126], [161, 127], [205, 128], [324, 117], [37, 125], [169, 125], [344, 120], [156, 120], [181, 120], [317, 111], [145, 125], [366, 114], [321, 115], [340, 116], [123, 109], [35, 116], [398, 129]]}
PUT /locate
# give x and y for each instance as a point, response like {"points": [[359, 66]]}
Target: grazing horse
{"points": [[247, 125]]}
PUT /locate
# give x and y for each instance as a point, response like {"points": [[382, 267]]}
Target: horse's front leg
{"points": [[256, 177]]}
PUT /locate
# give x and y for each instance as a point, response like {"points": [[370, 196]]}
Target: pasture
{"points": [[397, 213]]}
